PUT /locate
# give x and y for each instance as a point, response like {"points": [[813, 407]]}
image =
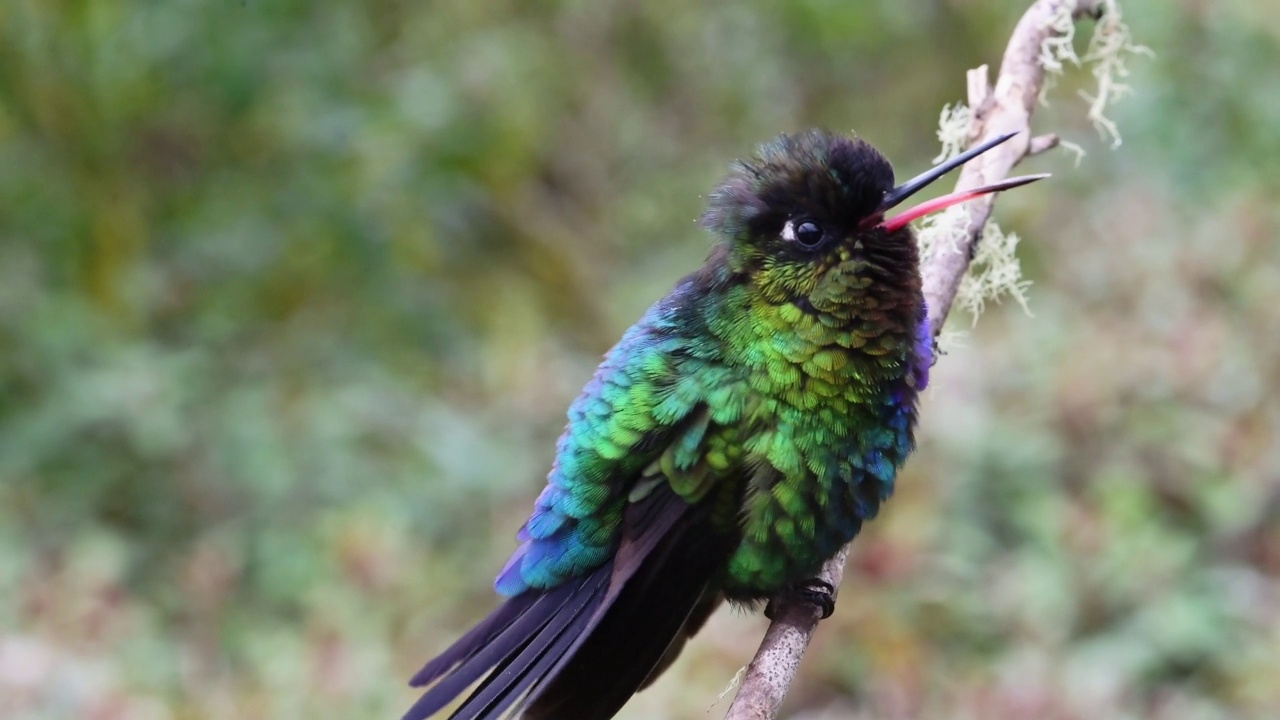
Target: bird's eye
{"points": [[805, 232]]}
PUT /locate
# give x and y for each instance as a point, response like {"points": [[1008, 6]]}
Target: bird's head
{"points": [[805, 218]]}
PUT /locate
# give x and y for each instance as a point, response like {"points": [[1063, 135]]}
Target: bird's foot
{"points": [[818, 593]]}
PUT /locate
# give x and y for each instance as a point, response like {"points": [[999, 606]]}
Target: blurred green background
{"points": [[293, 296]]}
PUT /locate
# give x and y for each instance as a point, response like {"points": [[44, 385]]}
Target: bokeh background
{"points": [[293, 296]]}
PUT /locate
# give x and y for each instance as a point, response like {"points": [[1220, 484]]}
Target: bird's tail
{"points": [[580, 650]]}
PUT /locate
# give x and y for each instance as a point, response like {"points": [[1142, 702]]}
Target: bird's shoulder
{"points": [[648, 414]]}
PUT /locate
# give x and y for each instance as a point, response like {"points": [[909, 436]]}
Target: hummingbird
{"points": [[733, 440]]}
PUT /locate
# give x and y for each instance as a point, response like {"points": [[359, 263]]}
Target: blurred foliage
{"points": [[293, 296]]}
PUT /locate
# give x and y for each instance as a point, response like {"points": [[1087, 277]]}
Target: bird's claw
{"points": [[818, 593]]}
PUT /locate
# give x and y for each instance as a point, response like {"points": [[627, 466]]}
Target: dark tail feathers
{"points": [[583, 649]]}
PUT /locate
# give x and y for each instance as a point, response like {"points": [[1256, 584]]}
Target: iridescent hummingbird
{"points": [[734, 439]]}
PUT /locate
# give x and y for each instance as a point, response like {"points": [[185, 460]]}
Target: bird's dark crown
{"points": [[813, 174]]}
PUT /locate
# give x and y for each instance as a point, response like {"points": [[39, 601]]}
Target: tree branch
{"points": [[1007, 108]]}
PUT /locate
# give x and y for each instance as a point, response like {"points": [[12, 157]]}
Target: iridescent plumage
{"points": [[784, 380], [736, 437]]}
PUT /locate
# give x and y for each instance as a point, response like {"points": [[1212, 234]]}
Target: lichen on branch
{"points": [[1109, 48]]}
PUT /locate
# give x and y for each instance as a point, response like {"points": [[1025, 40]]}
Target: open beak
{"points": [[919, 182]]}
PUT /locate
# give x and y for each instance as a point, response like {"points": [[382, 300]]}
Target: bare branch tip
{"points": [[1043, 143]]}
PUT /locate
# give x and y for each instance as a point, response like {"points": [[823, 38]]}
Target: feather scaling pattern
{"points": [[735, 437]]}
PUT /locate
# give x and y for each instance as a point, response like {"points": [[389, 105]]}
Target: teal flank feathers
{"points": [[735, 437]]}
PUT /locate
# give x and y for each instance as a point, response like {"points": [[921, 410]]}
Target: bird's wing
{"points": [[641, 420]]}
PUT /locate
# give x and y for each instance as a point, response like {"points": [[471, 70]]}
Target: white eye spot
{"points": [[789, 231]]}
